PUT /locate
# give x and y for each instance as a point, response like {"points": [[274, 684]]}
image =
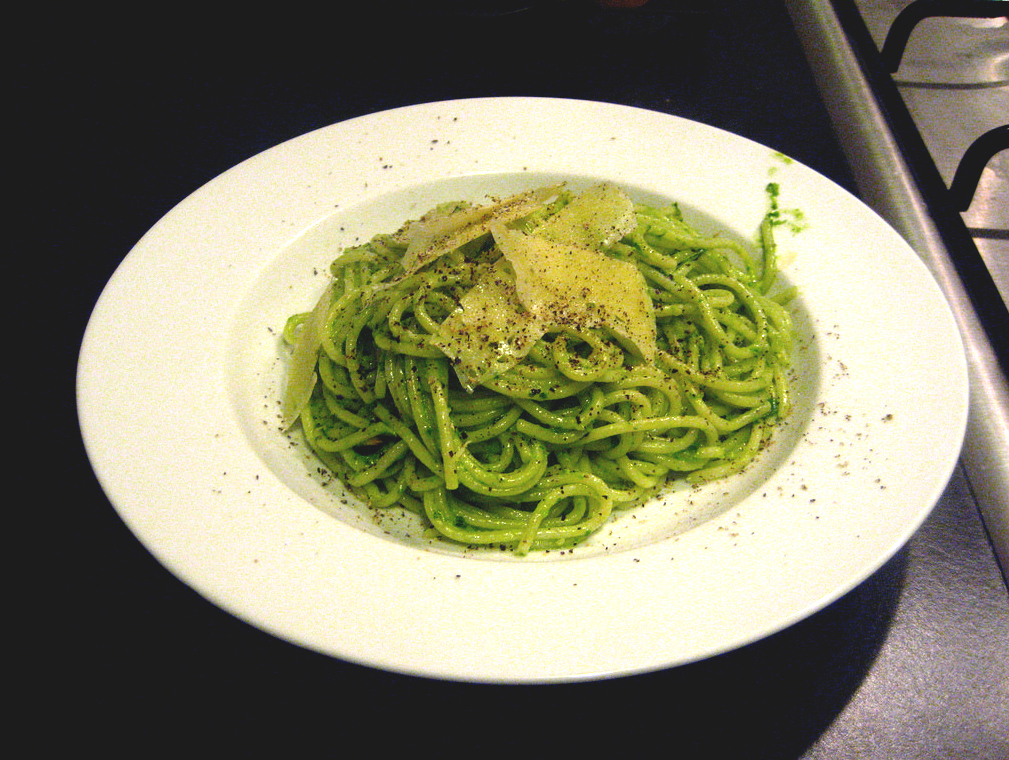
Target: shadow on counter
{"points": [[770, 699], [156, 656]]}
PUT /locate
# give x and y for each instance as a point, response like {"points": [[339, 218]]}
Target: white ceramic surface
{"points": [[179, 384]]}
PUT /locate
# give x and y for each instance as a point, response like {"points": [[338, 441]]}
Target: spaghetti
{"points": [[436, 376]]}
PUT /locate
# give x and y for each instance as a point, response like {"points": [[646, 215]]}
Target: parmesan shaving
{"points": [[491, 331], [301, 374], [567, 285], [430, 240], [596, 218]]}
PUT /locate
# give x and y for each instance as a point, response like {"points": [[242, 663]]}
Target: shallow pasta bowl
{"points": [[181, 368]]}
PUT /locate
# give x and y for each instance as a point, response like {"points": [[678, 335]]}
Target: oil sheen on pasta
{"points": [[514, 372]]}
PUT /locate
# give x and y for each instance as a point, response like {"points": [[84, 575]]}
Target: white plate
{"points": [[178, 399]]}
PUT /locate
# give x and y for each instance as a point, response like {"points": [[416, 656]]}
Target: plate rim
{"points": [[234, 184]]}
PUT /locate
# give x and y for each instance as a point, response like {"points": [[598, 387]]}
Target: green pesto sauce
{"points": [[793, 219]]}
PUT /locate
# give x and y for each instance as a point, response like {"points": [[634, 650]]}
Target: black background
{"points": [[118, 119]]}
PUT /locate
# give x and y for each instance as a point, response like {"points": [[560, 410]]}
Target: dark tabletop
{"points": [[119, 126]]}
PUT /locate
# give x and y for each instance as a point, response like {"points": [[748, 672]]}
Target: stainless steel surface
{"points": [[943, 50], [995, 252], [944, 664], [954, 79], [886, 184]]}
